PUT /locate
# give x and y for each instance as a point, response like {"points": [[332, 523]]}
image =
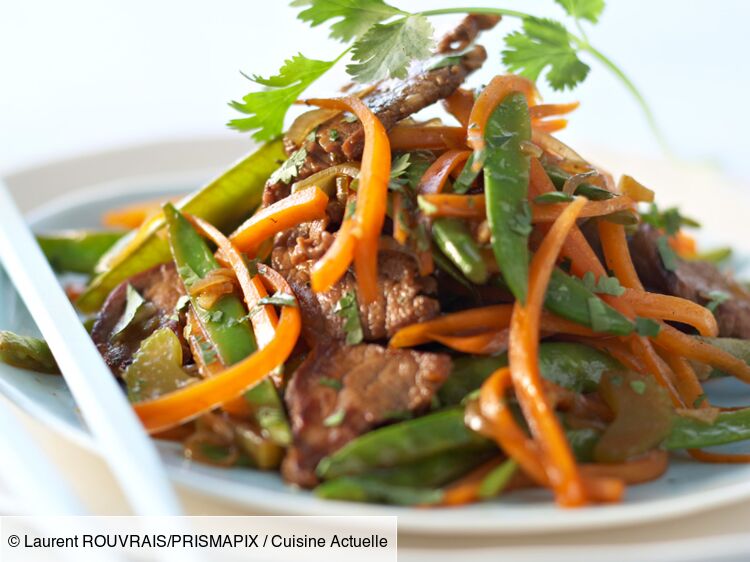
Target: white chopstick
{"points": [[119, 434], [26, 473]]}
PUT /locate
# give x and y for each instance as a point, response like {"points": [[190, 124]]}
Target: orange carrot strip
{"points": [[303, 206], [684, 244], [674, 309], [686, 380], [191, 401], [334, 263], [434, 178], [730, 458], [498, 88], [550, 125], [549, 109], [133, 216], [400, 233], [372, 195], [466, 489], [494, 317], [485, 343], [459, 104], [560, 465], [473, 207], [406, 138], [689, 347]]}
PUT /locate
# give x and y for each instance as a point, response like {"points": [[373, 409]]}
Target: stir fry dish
{"points": [[422, 312]]}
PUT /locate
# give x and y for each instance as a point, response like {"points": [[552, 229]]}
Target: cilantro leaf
{"points": [[399, 167], [386, 50], [357, 16], [667, 254], [605, 285], [266, 109], [717, 298], [348, 309], [669, 220], [278, 299], [335, 419], [134, 311], [647, 327], [290, 168], [583, 9], [545, 44]]}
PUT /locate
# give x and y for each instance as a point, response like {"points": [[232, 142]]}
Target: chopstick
{"points": [[26, 472], [119, 434]]}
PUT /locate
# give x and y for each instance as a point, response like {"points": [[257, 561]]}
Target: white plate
{"points": [[688, 487]]}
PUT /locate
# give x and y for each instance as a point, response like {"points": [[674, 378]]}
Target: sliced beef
{"points": [[341, 392], [466, 32], [694, 281], [391, 101], [161, 288], [402, 294]]}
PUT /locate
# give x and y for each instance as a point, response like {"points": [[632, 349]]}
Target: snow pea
{"points": [[506, 180], [734, 346], [454, 239], [26, 352], [568, 297], [224, 202], [573, 366], [368, 490], [225, 324], [77, 251], [402, 443], [691, 433]]}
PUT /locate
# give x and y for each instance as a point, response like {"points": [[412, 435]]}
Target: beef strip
{"points": [[391, 101], [161, 288], [692, 280], [466, 32], [376, 385], [402, 294]]}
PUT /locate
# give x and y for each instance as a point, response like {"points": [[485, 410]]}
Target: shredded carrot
{"points": [[686, 380], [303, 206], [498, 88], [560, 465], [133, 216], [333, 265], [372, 195], [459, 104], [400, 217], [404, 138], [550, 125], [434, 178], [552, 109], [466, 489], [729, 458], [191, 401], [684, 244], [473, 207], [485, 343], [673, 309]]}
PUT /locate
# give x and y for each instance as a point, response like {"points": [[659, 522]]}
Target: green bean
{"points": [[454, 239], [592, 192], [497, 480], [467, 176], [506, 180], [224, 202], [26, 352], [573, 366], [77, 251], [401, 443], [691, 433], [268, 409], [446, 265]]}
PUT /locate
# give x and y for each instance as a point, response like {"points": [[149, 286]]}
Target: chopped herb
{"points": [[348, 309], [647, 327], [331, 383], [216, 316], [278, 299], [605, 285], [467, 176], [399, 167], [603, 318], [717, 298], [553, 197], [426, 206], [290, 168], [134, 306], [698, 401], [616, 380], [639, 387], [333, 135], [335, 419], [312, 135], [668, 257], [350, 118], [670, 220], [420, 161]]}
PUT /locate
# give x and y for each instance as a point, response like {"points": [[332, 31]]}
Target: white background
{"points": [[83, 75]]}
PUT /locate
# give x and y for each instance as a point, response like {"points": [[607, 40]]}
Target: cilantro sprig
{"points": [[384, 40]]}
